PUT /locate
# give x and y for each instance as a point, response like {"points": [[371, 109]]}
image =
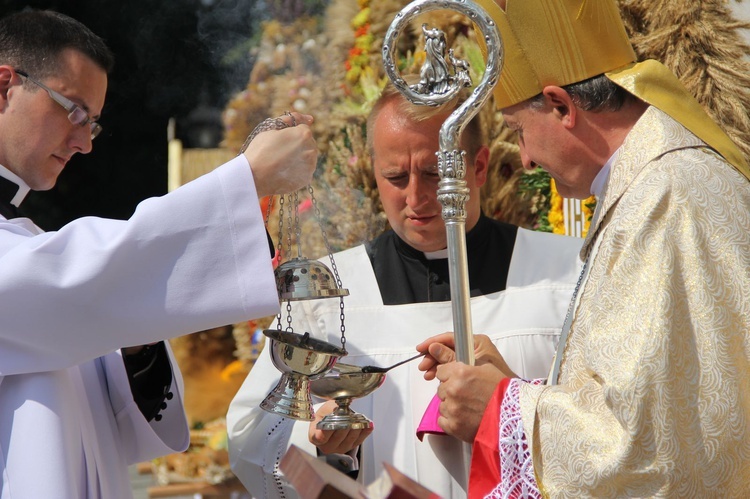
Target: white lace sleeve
{"points": [[517, 478]]}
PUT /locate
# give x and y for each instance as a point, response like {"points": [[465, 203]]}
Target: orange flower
{"points": [[362, 30]]}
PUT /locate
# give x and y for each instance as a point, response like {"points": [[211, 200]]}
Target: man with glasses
{"points": [[81, 397], [76, 114]]}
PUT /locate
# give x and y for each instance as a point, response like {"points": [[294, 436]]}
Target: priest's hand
{"points": [[283, 160], [334, 441], [440, 349]]}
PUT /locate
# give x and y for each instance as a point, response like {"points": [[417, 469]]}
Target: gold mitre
{"points": [[559, 42]]}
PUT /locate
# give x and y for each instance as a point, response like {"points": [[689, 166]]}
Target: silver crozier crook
{"points": [[440, 81]]}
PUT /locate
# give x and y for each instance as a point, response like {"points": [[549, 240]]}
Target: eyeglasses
{"points": [[76, 114]]}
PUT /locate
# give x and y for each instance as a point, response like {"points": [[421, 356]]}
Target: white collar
{"points": [[23, 189], [437, 255], [597, 186]]}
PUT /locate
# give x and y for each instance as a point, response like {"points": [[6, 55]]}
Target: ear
{"points": [[561, 104], [481, 164], [6, 83]]}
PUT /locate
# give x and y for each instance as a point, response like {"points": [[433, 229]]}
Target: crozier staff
{"points": [[647, 397], [75, 410]]}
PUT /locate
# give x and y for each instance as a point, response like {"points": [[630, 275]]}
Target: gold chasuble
{"points": [[653, 392], [654, 388]]}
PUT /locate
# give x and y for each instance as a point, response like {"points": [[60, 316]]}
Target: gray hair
{"points": [[597, 94]]}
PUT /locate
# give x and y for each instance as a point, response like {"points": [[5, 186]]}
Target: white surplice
{"points": [[191, 260], [524, 321]]}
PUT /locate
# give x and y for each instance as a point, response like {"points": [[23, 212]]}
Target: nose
{"points": [[526, 160], [416, 192], [80, 139]]}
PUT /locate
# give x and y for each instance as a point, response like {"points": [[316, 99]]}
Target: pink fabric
{"points": [[429, 423]]}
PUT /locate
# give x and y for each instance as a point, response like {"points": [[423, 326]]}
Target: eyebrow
{"points": [[393, 170], [75, 100], [86, 108], [431, 168], [80, 103]]}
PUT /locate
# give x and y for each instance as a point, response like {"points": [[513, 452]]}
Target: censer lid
{"points": [[305, 342], [303, 279]]}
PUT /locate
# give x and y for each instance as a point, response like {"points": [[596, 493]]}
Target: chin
{"points": [[427, 245], [43, 184]]}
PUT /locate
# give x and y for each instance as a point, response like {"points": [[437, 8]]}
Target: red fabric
{"points": [[485, 456]]}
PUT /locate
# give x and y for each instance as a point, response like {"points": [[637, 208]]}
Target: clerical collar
{"points": [[436, 255], [13, 190], [475, 234]]}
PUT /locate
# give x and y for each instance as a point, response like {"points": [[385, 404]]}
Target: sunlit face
{"points": [[36, 137], [545, 141], [405, 168]]}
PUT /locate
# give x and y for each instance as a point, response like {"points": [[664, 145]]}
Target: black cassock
{"points": [[8, 190], [405, 275]]}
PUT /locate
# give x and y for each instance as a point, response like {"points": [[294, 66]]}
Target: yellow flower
{"points": [[272, 29], [353, 74], [364, 42], [218, 440], [362, 18], [556, 215], [230, 370], [419, 57], [587, 206]]}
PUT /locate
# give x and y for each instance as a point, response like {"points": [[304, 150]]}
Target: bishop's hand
{"points": [[440, 349], [464, 390]]}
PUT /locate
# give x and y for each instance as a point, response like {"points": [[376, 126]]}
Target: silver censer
{"points": [[300, 357]]}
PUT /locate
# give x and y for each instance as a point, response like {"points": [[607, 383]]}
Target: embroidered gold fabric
{"points": [[654, 393]]}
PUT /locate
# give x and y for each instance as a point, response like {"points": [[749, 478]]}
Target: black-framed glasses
{"points": [[76, 114]]}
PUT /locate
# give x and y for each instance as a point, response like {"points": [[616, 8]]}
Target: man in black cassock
{"points": [[520, 280]]}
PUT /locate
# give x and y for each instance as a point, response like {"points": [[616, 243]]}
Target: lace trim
{"points": [[517, 478], [276, 474]]}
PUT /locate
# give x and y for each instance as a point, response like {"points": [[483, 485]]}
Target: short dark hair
{"points": [[472, 138], [597, 94], [32, 40]]}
